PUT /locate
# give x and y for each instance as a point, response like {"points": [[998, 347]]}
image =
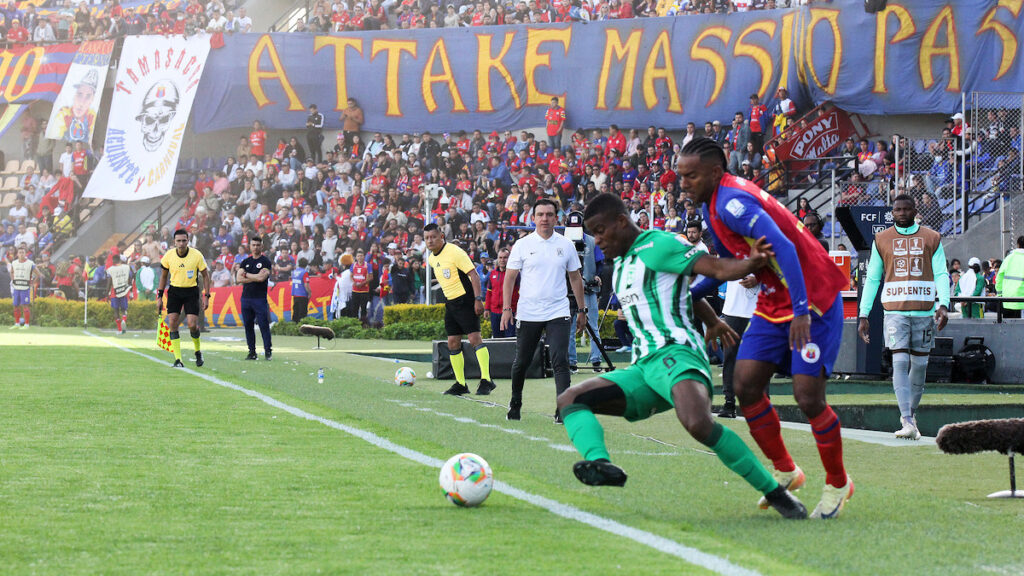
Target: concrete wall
{"points": [[1003, 339]]}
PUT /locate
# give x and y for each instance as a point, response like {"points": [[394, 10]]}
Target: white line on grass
{"points": [[869, 436], [515, 431], [694, 556]]}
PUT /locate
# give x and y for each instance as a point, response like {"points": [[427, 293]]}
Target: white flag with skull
{"points": [[156, 84]]}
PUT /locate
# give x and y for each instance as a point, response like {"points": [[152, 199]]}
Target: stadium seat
{"points": [[10, 183], [947, 228], [949, 206], [12, 167], [26, 165], [206, 164], [8, 199]]}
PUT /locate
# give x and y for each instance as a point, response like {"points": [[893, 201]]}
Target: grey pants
{"points": [[527, 338]]}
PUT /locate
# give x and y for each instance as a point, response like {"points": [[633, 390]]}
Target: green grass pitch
{"points": [[112, 463]]}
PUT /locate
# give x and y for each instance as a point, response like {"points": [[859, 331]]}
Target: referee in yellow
{"points": [[183, 265], [461, 284]]}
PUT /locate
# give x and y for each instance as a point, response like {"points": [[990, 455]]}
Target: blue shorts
{"points": [[119, 303], [767, 342], [22, 297]]}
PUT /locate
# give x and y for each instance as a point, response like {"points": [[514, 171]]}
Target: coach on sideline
{"points": [[253, 274], [543, 258]]}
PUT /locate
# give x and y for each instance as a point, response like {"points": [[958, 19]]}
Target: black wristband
{"points": [[159, 293], [583, 310]]}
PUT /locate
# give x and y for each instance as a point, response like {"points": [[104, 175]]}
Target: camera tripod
{"points": [[600, 346]]}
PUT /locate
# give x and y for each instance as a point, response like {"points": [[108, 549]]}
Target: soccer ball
{"points": [[466, 479], [405, 376]]}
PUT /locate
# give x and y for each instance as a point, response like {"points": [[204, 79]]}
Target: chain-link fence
{"points": [[993, 161], [930, 171]]}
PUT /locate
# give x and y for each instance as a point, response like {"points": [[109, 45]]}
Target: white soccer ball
{"points": [[466, 480], [405, 376]]}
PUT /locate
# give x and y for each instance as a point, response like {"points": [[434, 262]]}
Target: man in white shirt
{"points": [[256, 165], [286, 178], [543, 258], [25, 237], [243, 23], [252, 212], [18, 214], [217, 22], [740, 301], [66, 161], [221, 276]]}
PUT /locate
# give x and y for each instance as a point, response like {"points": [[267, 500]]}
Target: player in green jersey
{"points": [[670, 367]]}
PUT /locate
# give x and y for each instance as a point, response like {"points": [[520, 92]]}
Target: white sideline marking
{"points": [[694, 556], [869, 436], [551, 443]]}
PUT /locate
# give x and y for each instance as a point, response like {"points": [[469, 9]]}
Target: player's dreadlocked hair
{"points": [[707, 150]]}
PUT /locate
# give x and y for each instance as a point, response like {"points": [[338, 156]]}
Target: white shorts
{"points": [[914, 333]]}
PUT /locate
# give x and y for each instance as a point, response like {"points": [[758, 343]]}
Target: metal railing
{"points": [[998, 300]]}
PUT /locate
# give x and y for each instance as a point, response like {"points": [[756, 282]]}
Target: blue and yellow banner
{"points": [[911, 58]]}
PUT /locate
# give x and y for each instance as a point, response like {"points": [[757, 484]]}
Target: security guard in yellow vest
{"points": [[1010, 280]]}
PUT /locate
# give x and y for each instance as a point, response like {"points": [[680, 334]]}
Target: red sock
{"points": [[117, 323], [17, 315], [28, 316], [764, 425], [828, 435]]}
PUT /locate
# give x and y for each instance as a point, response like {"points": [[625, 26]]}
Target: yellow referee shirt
{"points": [[183, 271], [451, 268]]}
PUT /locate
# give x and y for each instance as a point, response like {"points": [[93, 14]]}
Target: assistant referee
{"points": [[461, 284], [183, 265]]}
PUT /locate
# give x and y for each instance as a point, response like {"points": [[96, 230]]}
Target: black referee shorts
{"points": [[183, 298], [460, 316]]}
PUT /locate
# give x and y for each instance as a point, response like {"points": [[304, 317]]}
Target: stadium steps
{"points": [[110, 243], [982, 238], [111, 218]]}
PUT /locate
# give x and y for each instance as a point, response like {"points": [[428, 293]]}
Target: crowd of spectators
{"points": [[68, 21]]}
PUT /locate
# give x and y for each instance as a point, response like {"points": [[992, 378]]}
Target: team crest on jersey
{"points": [[259, 265], [189, 273], [447, 273], [811, 353]]}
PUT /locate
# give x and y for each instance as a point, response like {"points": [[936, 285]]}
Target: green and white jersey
{"points": [[652, 282]]}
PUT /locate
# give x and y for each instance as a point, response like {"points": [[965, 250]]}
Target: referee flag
{"points": [[163, 335]]}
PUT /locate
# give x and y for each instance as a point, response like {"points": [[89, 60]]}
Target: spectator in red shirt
{"points": [[616, 141], [257, 139], [758, 119], [17, 34], [495, 292], [555, 121]]}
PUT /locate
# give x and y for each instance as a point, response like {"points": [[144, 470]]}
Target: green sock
{"points": [[458, 365], [585, 431], [737, 457], [195, 342], [483, 358], [176, 347]]}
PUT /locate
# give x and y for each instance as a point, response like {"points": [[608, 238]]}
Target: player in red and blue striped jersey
{"points": [[797, 325]]}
